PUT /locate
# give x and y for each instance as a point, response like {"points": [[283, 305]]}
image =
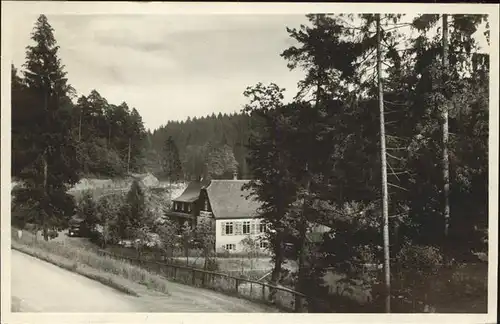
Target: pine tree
{"points": [[52, 162], [172, 167]]}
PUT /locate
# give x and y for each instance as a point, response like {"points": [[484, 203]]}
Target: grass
{"points": [[464, 288], [229, 284], [73, 267], [239, 265], [111, 272]]}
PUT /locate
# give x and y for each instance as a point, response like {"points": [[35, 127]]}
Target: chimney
{"points": [[235, 175]]}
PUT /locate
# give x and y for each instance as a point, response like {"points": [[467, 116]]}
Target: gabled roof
{"points": [[192, 192], [76, 219], [228, 200]]}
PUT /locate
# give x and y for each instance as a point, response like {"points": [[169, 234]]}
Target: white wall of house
{"points": [[230, 240]]}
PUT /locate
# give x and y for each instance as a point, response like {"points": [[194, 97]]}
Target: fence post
{"points": [[264, 292], [237, 282], [193, 277]]}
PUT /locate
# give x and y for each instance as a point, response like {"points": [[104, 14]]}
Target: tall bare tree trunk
{"points": [[278, 262], [302, 245], [279, 254], [45, 176], [45, 197], [385, 196], [444, 117]]}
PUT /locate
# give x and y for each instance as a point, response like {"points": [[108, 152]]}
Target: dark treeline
{"points": [[108, 139], [197, 137]]}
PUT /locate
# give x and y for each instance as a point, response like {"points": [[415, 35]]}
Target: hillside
{"points": [[194, 137]]}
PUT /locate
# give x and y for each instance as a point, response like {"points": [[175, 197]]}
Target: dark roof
{"points": [[228, 200], [192, 192], [76, 219]]}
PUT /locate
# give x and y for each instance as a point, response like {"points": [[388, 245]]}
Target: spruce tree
{"points": [[52, 165], [171, 162]]}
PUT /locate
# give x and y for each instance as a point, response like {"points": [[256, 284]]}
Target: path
{"points": [[38, 286]]}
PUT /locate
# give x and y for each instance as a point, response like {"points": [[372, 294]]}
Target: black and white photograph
{"points": [[321, 160]]}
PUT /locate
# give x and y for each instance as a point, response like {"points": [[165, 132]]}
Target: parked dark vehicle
{"points": [[78, 228]]}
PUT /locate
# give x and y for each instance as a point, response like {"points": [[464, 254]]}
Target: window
{"points": [[230, 247], [189, 208], [228, 228], [262, 227], [246, 227], [253, 227], [263, 245], [206, 205]]}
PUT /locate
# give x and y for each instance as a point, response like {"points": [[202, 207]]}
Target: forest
{"points": [[386, 142]]}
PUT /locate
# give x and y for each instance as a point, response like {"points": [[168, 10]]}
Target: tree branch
{"points": [[395, 157], [396, 186], [394, 103], [392, 171]]}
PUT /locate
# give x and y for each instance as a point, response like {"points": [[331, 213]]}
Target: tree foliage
{"points": [[321, 161], [44, 157], [172, 167]]}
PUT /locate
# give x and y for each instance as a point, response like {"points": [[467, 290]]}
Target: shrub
{"points": [[212, 265], [417, 267]]}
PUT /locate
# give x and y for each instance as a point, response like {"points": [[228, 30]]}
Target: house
{"points": [[225, 205], [186, 207], [234, 213]]}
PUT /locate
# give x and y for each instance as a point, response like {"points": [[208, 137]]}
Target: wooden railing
{"points": [[280, 297]]}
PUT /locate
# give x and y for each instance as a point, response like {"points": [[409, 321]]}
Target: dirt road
{"points": [[38, 286]]}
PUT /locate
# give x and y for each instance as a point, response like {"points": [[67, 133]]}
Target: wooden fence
{"points": [[281, 297]]}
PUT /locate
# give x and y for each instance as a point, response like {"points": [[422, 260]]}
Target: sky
{"points": [[170, 67]]}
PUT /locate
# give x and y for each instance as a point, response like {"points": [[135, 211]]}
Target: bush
{"points": [[417, 267], [212, 265]]}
